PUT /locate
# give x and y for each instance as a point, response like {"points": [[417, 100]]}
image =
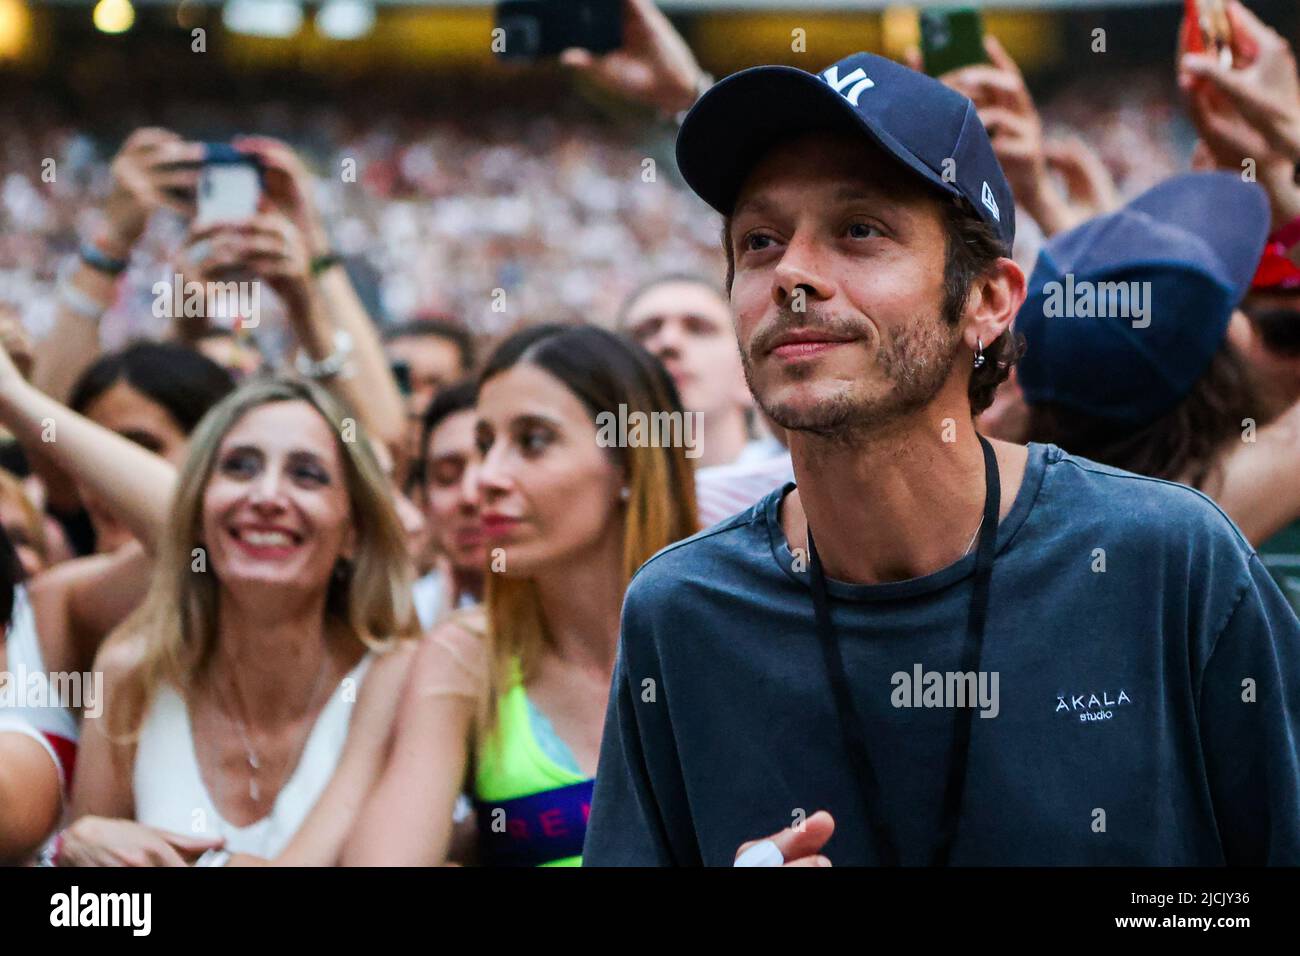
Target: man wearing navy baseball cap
{"points": [[1176, 399], [935, 649]]}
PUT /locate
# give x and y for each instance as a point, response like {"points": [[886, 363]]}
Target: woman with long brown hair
{"points": [[509, 706]]}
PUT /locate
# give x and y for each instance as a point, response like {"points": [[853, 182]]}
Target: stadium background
{"points": [[473, 175]]}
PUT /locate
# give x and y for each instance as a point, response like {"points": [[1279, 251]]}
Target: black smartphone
{"points": [[951, 39], [534, 29]]}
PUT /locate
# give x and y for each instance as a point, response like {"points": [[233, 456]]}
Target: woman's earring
{"points": [[625, 493], [979, 355]]}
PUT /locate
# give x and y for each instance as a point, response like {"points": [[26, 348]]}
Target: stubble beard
{"points": [[914, 358]]}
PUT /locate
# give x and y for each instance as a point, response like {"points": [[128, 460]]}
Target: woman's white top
{"points": [[169, 789], [30, 703]]}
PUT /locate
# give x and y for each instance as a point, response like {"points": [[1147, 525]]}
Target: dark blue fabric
{"points": [[536, 829], [928, 127], [1122, 735], [1195, 241]]}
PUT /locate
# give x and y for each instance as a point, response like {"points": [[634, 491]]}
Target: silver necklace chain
{"points": [[253, 758]]}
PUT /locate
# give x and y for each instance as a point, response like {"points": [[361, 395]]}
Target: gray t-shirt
{"points": [[1147, 706]]}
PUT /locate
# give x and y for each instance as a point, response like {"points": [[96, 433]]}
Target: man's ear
{"points": [[993, 302]]}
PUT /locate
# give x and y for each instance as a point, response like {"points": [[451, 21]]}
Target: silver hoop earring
{"points": [[979, 355]]}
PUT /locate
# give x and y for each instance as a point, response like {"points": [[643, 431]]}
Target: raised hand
{"points": [[1262, 85], [653, 66], [154, 168]]}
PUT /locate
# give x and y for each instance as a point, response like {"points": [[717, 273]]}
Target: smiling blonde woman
{"points": [[230, 692]]}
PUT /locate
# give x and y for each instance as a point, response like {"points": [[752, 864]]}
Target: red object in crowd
{"points": [[1276, 270]]}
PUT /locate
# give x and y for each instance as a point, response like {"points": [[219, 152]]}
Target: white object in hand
{"points": [[762, 853]]}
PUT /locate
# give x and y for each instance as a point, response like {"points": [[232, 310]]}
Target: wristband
{"points": [[325, 261], [78, 301], [214, 858], [332, 364], [52, 850], [92, 256]]}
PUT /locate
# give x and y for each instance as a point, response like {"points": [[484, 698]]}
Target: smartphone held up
{"points": [[230, 185], [535, 29], [1209, 30]]}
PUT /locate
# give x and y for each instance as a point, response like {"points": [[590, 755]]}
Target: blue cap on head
{"points": [[1125, 312], [929, 128]]}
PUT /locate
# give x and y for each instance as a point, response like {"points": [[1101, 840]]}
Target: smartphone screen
{"points": [[951, 39], [228, 192]]}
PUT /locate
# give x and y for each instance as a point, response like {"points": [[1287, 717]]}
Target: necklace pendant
{"points": [[254, 791]]}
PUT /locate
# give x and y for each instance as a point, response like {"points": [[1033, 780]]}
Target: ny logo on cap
{"points": [[986, 197], [858, 78]]}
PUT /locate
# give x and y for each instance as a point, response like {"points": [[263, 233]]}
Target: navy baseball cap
{"points": [[929, 128], [1125, 312]]}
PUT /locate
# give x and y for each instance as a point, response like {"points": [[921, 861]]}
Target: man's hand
{"points": [[154, 168], [1262, 86], [653, 66], [797, 846]]}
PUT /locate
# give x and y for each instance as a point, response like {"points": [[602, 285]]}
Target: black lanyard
{"points": [[851, 722]]}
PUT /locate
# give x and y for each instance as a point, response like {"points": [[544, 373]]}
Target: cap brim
{"points": [[1229, 214], [727, 132]]}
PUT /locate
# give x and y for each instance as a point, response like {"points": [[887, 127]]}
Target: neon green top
{"points": [[512, 764]]}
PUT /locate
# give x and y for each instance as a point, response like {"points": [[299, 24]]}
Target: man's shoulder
{"points": [[707, 553], [1138, 504]]}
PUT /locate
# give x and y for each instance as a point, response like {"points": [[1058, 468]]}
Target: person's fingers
{"points": [[1086, 177], [986, 84], [176, 152], [577, 58], [270, 223], [146, 137], [161, 853], [190, 845], [169, 187], [267, 146], [259, 224], [1003, 123], [795, 842], [999, 56], [1250, 35]]}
